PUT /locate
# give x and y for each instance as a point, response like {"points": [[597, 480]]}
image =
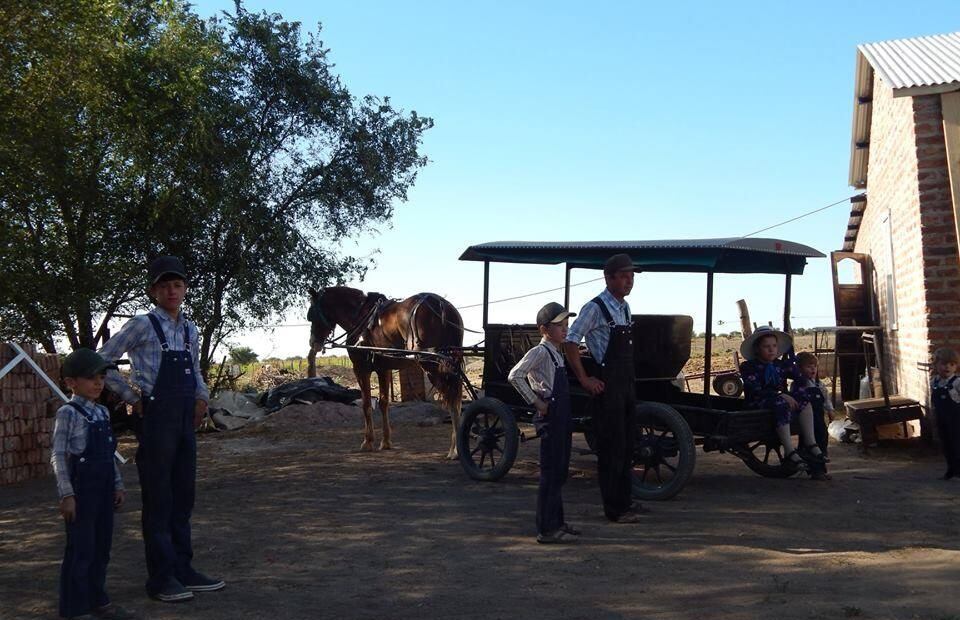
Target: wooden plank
{"points": [[950, 103]]}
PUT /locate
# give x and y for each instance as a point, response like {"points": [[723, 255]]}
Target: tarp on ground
{"points": [[308, 390]]}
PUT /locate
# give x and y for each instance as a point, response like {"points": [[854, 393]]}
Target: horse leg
{"points": [[312, 361], [385, 378], [363, 379], [448, 386]]}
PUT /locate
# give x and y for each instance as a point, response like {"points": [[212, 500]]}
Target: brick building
{"points": [[905, 152]]}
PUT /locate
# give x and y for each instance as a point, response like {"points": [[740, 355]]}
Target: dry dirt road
{"points": [[302, 525]]}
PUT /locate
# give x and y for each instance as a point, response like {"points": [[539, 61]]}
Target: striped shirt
{"points": [[533, 375], [70, 437], [139, 341], [591, 325]]}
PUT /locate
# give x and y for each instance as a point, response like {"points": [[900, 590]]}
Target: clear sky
{"points": [[602, 121]]}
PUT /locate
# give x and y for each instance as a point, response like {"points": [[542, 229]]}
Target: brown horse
{"points": [[424, 322]]}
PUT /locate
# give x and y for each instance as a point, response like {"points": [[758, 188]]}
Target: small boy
{"points": [[541, 378], [945, 389], [809, 388], [90, 489], [171, 400]]}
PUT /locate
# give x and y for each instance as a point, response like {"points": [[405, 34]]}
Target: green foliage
{"points": [[243, 356], [131, 129]]}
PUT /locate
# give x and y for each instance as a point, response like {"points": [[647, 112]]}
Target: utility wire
{"points": [[794, 219], [549, 290]]}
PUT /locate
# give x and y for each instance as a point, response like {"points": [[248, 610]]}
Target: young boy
{"points": [[171, 400], [809, 388], [541, 378], [945, 389], [90, 489]]}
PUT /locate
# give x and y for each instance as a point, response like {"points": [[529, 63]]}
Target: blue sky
{"points": [[615, 120]]}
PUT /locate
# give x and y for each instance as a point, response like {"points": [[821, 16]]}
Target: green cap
{"points": [[85, 363]]}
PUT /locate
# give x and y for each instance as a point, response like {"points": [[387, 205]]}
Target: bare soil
{"points": [[303, 525]]}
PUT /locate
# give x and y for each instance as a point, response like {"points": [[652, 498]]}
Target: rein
{"points": [[366, 321]]}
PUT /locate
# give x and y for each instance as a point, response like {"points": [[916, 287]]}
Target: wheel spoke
{"points": [[477, 449], [670, 467]]}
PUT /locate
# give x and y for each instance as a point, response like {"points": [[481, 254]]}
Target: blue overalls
{"points": [[556, 431], [83, 573], [948, 424], [614, 419], [814, 395], [167, 464]]}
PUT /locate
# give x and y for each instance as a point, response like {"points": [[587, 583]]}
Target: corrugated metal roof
{"points": [[913, 63]]}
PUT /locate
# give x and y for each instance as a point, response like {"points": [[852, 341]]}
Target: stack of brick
{"points": [[27, 410]]}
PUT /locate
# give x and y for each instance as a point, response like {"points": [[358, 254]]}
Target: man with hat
{"points": [[541, 379], [169, 399], [606, 325]]}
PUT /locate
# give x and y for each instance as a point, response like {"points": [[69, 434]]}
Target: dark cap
{"points": [[552, 313], [162, 266], [618, 262], [85, 363]]}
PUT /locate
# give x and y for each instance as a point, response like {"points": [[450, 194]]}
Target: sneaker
{"points": [[198, 582], [113, 612], [559, 536], [172, 592], [569, 529]]}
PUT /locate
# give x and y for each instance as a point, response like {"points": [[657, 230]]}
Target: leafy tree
{"points": [[243, 356], [130, 129]]}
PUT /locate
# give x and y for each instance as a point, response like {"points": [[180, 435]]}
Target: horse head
{"points": [[336, 305]]}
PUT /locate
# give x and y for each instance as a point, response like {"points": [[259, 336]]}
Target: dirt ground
{"points": [[303, 525]]}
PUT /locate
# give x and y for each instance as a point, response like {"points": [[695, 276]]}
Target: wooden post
{"points": [[566, 288], [950, 103], [745, 326]]}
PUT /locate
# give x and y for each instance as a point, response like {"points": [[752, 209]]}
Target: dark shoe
{"points": [[198, 582], [799, 463], [114, 612], [629, 516], [810, 457], [569, 529], [172, 592], [637, 508], [560, 536], [821, 475], [948, 475]]}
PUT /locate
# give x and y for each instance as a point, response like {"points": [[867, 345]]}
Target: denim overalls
{"points": [[614, 421], [556, 430], [83, 573], [167, 464], [948, 423]]}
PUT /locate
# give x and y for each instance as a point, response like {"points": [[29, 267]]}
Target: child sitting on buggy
{"points": [[769, 362]]}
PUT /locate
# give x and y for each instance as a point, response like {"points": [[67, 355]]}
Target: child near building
{"points": [[810, 389], [945, 396], [769, 362], [90, 489], [541, 378]]}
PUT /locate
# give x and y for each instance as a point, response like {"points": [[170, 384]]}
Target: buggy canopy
{"points": [[731, 255]]}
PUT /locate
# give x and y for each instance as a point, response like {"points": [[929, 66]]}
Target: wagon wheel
{"points": [[663, 452], [765, 457], [488, 439], [728, 385]]}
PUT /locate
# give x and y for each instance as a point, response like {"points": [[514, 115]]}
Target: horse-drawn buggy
{"points": [[670, 422]]}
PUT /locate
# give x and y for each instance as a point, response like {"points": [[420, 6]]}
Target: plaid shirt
{"points": [[590, 324], [139, 341], [533, 375], [70, 437]]}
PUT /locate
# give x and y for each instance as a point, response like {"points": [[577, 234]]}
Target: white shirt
{"points": [[534, 374]]}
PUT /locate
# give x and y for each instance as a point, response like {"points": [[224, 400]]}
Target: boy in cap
{"points": [[606, 325], [90, 489], [171, 400], [541, 378]]}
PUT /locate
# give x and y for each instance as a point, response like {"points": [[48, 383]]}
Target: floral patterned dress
{"points": [[764, 384]]}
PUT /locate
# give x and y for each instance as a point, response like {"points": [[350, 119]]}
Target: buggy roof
{"points": [[730, 255]]}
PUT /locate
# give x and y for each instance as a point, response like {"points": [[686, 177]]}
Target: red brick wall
{"points": [[908, 181], [27, 408]]}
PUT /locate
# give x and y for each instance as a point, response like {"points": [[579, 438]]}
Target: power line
{"points": [[794, 219], [550, 290]]}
